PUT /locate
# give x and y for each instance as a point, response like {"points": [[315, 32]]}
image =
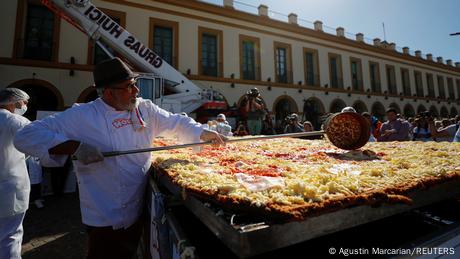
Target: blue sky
{"points": [[419, 24]]}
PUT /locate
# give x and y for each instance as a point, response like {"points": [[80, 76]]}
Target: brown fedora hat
{"points": [[110, 72]]}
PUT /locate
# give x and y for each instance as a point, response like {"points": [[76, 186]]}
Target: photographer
{"points": [[293, 125], [267, 127], [255, 110], [241, 130]]}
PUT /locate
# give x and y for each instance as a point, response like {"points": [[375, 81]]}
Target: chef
{"points": [[111, 189], [14, 181]]}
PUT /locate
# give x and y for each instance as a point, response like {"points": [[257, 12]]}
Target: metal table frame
{"points": [[245, 240]]}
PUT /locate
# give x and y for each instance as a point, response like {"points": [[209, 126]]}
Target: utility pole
{"points": [[384, 32]]}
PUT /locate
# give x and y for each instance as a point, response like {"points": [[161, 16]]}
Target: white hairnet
{"points": [[348, 109], [221, 116], [12, 95]]}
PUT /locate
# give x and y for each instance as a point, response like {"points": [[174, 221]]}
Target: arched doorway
{"points": [[337, 105], [396, 107], [88, 95], [409, 111], [360, 107], [43, 96], [421, 109], [282, 107], [434, 111], [313, 109], [378, 110], [453, 112], [444, 112]]}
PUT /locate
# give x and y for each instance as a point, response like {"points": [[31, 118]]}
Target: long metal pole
{"points": [[143, 150]]}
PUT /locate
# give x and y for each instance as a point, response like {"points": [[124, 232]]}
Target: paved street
{"points": [[55, 231]]}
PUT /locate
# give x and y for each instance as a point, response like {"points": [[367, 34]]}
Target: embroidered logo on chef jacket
{"points": [[120, 123]]}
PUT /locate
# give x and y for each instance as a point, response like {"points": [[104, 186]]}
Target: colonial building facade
{"points": [[297, 69]]}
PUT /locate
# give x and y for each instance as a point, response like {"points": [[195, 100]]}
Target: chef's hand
{"points": [[88, 154], [213, 136]]}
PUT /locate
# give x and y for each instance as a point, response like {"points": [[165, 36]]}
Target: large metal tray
{"points": [[256, 237]]}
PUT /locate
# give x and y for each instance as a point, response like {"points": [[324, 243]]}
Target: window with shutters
{"points": [[210, 52], [283, 63], [405, 82], [450, 88], [249, 58], [441, 88], [335, 71], [430, 85], [311, 63], [391, 79], [374, 73], [164, 40], [356, 74], [37, 32], [418, 84]]}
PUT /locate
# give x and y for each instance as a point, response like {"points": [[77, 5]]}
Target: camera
{"points": [[253, 93], [291, 118]]}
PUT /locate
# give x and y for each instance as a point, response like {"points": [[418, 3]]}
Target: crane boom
{"points": [[88, 18]]}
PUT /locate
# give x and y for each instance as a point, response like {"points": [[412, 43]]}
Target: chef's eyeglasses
{"points": [[129, 87]]}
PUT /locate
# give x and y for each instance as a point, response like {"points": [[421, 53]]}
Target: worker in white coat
{"points": [[112, 188], [14, 181], [222, 126]]}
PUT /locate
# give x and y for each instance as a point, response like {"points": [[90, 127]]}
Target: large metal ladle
{"points": [[346, 130]]}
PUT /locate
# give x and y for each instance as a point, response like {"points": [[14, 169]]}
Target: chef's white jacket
{"points": [[14, 181], [111, 191]]}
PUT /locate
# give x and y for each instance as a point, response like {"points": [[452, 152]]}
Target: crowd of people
{"points": [[255, 119], [423, 127]]}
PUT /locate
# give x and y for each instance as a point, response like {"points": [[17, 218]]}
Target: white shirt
{"points": [[420, 132], [372, 138], [14, 181], [451, 129], [224, 129], [35, 170], [111, 191], [457, 135]]}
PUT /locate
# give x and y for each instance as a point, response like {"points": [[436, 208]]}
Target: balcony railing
{"points": [[312, 80], [41, 52], [285, 78], [336, 82], [357, 84], [250, 75], [407, 92], [392, 89], [376, 87]]}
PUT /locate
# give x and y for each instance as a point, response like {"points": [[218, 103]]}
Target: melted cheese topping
{"points": [[312, 170]]}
